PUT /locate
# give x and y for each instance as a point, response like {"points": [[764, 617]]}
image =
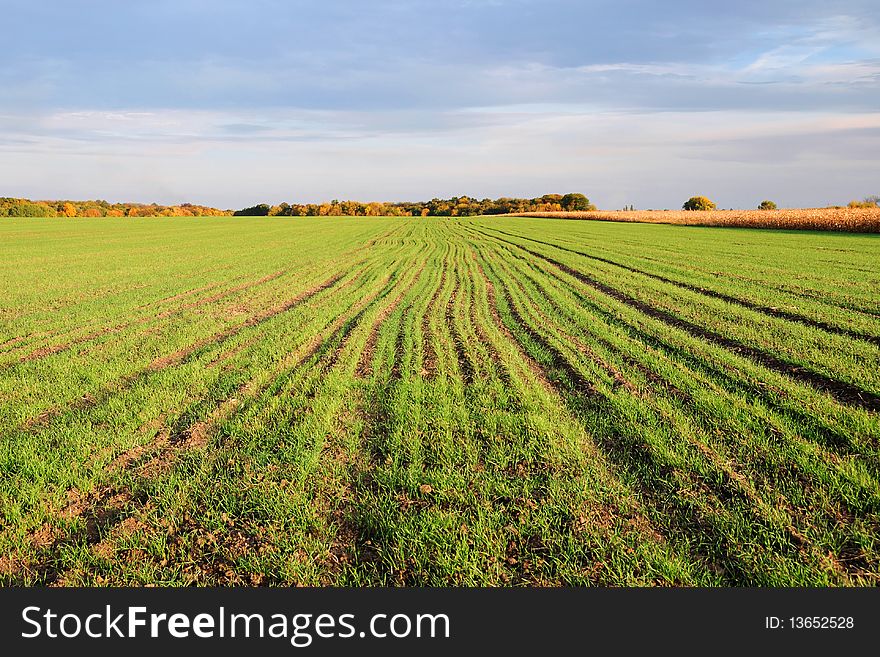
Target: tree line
{"points": [[457, 206], [22, 207]]}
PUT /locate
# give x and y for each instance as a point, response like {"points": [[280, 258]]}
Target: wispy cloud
{"points": [[233, 101]]}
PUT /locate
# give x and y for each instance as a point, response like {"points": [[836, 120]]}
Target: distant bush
{"points": [[767, 205], [869, 202], [576, 203], [698, 203], [862, 204], [260, 210]]}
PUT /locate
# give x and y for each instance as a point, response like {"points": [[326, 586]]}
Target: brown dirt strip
{"points": [[13, 341], [464, 364], [35, 336], [655, 379], [429, 355], [130, 457], [63, 346], [397, 365], [843, 392], [744, 303], [42, 420], [620, 381]]}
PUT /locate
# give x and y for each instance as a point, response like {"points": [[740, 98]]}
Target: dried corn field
{"points": [[490, 401], [853, 220]]}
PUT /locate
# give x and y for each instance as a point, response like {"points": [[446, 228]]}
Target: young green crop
{"points": [[484, 401]]}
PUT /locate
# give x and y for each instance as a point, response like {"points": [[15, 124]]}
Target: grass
{"points": [[498, 401]]}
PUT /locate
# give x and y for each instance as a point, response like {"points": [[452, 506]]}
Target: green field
{"points": [[366, 401]]}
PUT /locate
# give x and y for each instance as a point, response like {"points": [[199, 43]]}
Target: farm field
{"points": [[471, 401], [847, 219]]}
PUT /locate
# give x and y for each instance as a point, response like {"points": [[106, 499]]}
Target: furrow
{"points": [[365, 361], [106, 508], [429, 353], [843, 392], [744, 303]]}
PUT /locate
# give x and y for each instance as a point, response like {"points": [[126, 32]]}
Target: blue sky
{"points": [[229, 103]]}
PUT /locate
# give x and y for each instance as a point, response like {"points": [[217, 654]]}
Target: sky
{"points": [[234, 102]]}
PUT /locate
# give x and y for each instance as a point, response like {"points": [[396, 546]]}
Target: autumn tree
{"points": [[698, 203], [23, 208], [260, 210], [575, 202]]}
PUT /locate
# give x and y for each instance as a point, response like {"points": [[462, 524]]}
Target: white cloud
{"points": [[629, 101], [233, 159]]}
